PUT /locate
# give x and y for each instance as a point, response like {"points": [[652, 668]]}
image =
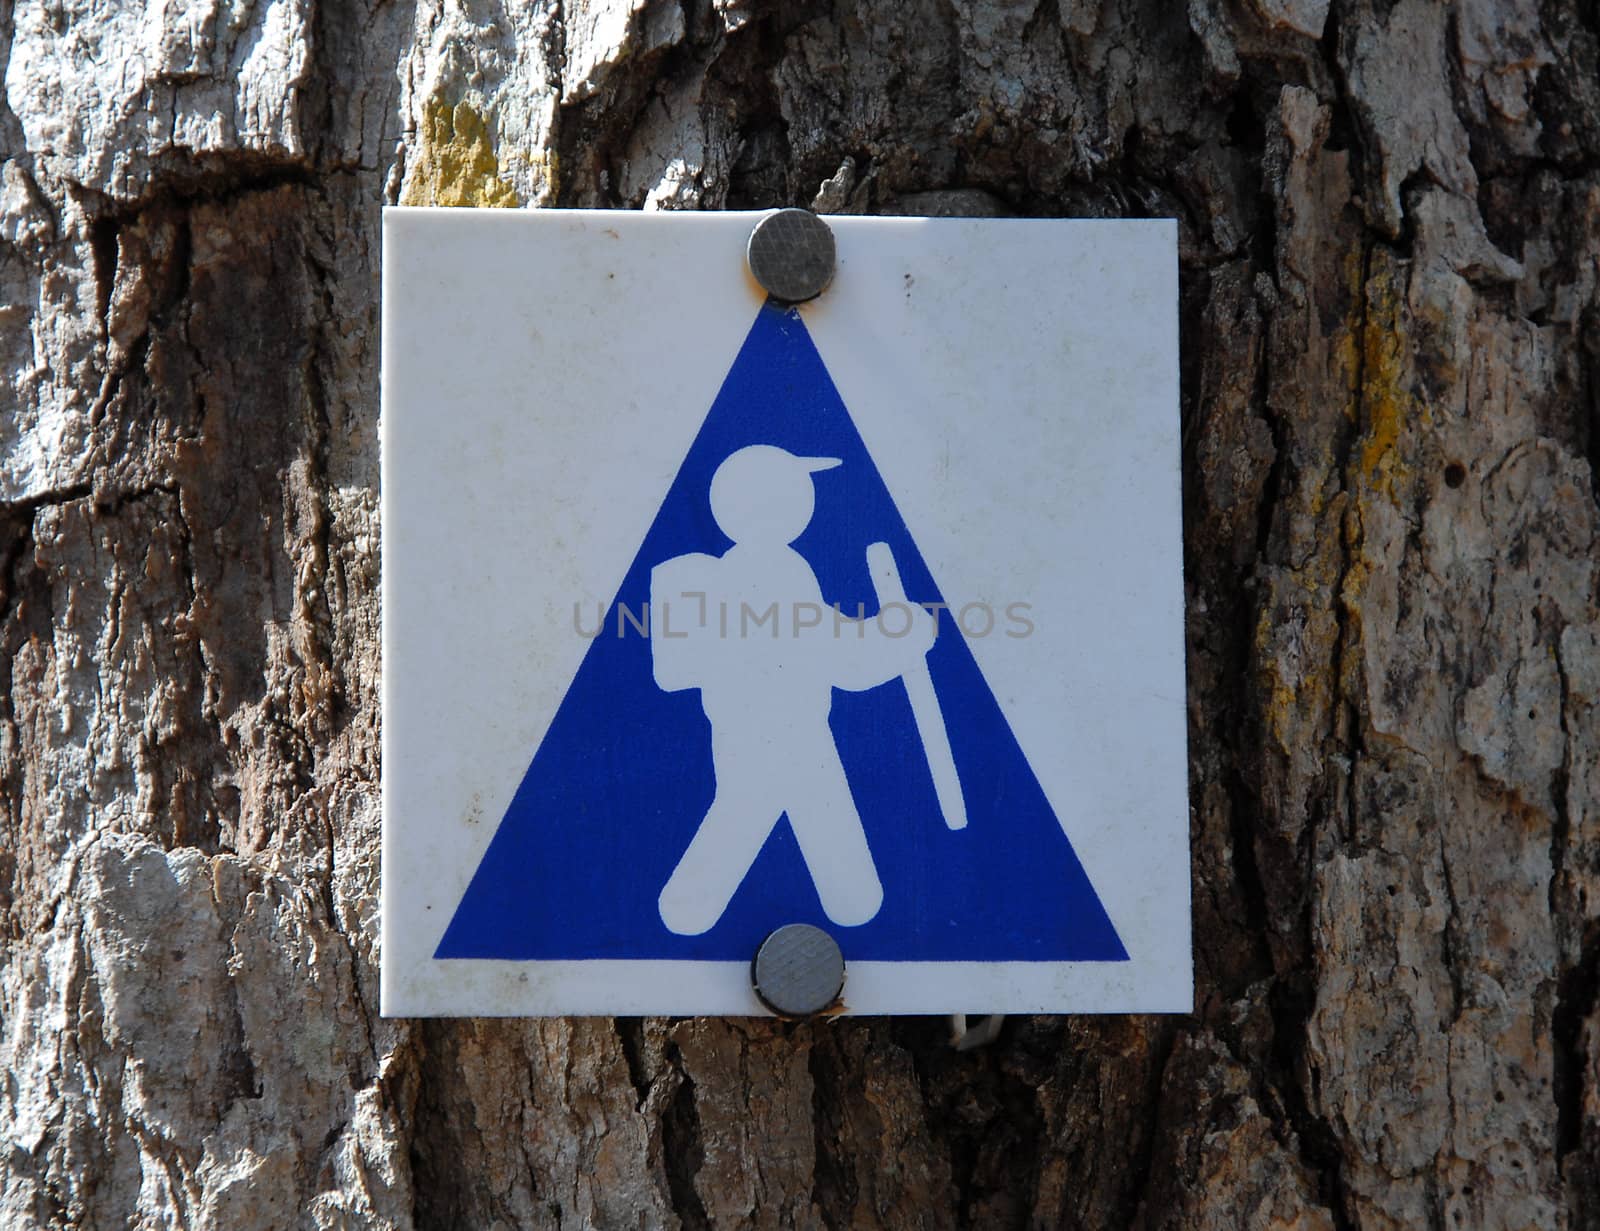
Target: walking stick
{"points": [[924, 701]]}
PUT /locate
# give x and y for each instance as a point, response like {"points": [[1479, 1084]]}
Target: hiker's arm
{"points": [[866, 653]]}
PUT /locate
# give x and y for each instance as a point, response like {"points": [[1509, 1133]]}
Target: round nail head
{"points": [[791, 254], [798, 971]]}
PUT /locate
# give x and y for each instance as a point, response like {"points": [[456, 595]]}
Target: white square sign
{"points": [[706, 615]]}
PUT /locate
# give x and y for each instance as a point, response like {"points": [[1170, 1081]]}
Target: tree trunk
{"points": [[1390, 240]]}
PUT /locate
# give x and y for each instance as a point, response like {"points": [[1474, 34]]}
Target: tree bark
{"points": [[1390, 241]]}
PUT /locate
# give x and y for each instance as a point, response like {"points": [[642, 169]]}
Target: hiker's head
{"points": [[763, 494]]}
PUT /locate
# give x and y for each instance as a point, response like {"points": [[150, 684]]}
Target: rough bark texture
{"points": [[1390, 232]]}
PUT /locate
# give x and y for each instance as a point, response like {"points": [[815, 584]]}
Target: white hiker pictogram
{"points": [[751, 631]]}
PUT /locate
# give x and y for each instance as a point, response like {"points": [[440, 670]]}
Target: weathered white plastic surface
{"points": [[1015, 383]]}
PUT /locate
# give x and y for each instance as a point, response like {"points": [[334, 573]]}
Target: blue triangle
{"points": [[623, 777]]}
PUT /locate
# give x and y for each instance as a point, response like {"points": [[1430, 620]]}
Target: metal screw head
{"points": [[791, 254], [798, 971]]}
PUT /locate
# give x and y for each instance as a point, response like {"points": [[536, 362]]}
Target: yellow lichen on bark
{"points": [[456, 163], [1382, 393]]}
